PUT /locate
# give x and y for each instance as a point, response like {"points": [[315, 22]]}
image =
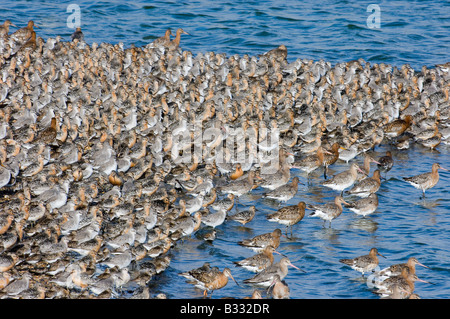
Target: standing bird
{"points": [[284, 192], [289, 215], [367, 186], [396, 269], [244, 216], [330, 158], [266, 277], [23, 34], [344, 179], [405, 281], [426, 180], [209, 280], [397, 127], [4, 29], [385, 163], [258, 262], [311, 162], [328, 211], [164, 40], [279, 289], [365, 263], [259, 242], [279, 54], [78, 34], [29, 45], [239, 187], [364, 206], [173, 45]]}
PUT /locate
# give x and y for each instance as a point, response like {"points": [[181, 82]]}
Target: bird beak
{"points": [[13, 25], [290, 264], [381, 255], [423, 265], [375, 161], [361, 171], [185, 32], [234, 280], [421, 280], [444, 169]]}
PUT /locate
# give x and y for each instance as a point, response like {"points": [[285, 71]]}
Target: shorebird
{"points": [[4, 29], [343, 180], [244, 216], [173, 45], [209, 280], [397, 127], [405, 281], [237, 173], [258, 262], [18, 285], [226, 203], [23, 34], [284, 192], [259, 242], [164, 40], [364, 206], [269, 180], [330, 157], [364, 264], [5, 176], [6, 221], [386, 162], [426, 181], [279, 289], [366, 167], [266, 277], [215, 219], [349, 153], [7, 261], [396, 269], [78, 34], [239, 187], [311, 162], [289, 215], [328, 211], [366, 186]]}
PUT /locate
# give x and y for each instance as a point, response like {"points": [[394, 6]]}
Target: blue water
{"points": [[413, 32]]}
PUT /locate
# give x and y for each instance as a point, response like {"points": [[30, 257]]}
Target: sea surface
{"points": [[410, 32]]}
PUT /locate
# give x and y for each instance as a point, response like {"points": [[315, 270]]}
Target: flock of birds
{"points": [[92, 199]]}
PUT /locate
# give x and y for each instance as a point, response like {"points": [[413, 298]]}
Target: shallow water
{"points": [[403, 226], [416, 33]]}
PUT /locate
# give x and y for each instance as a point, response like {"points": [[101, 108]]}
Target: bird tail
{"points": [[345, 261]]}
